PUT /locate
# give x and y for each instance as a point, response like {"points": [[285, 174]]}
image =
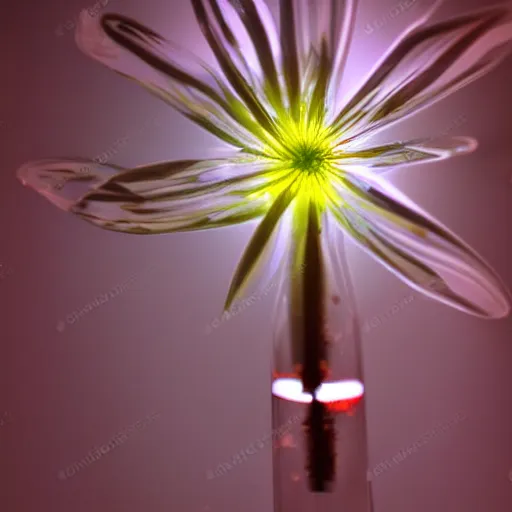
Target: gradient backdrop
{"points": [[143, 364]]}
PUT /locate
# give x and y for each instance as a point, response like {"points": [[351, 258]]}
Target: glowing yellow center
{"points": [[300, 157], [309, 158]]}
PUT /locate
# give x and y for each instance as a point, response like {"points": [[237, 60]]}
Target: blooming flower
{"points": [[302, 153]]}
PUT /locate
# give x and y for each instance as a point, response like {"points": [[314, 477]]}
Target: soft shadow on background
{"points": [[144, 365]]}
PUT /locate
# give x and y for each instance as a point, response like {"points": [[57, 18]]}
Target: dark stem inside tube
{"points": [[320, 434], [319, 424]]}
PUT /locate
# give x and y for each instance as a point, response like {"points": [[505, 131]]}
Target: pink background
{"points": [[68, 386]]}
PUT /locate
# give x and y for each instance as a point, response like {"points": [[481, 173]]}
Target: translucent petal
{"points": [[329, 20], [171, 73], [214, 34], [256, 248], [426, 65], [155, 198], [417, 248], [320, 28], [265, 275], [249, 34], [290, 59], [63, 182], [345, 31], [405, 153]]}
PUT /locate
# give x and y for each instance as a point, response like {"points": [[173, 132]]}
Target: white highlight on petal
{"points": [[92, 40]]}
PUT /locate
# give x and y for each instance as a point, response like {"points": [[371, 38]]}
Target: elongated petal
{"points": [[340, 17], [290, 60], [426, 65], [64, 182], [329, 21], [156, 198], [405, 153], [323, 28], [250, 36], [258, 244], [169, 72], [417, 248], [238, 82]]}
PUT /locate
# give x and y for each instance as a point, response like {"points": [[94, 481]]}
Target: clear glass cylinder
{"points": [[321, 462]]}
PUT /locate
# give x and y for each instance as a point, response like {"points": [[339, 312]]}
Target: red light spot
{"points": [[287, 441], [295, 477], [346, 405]]}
